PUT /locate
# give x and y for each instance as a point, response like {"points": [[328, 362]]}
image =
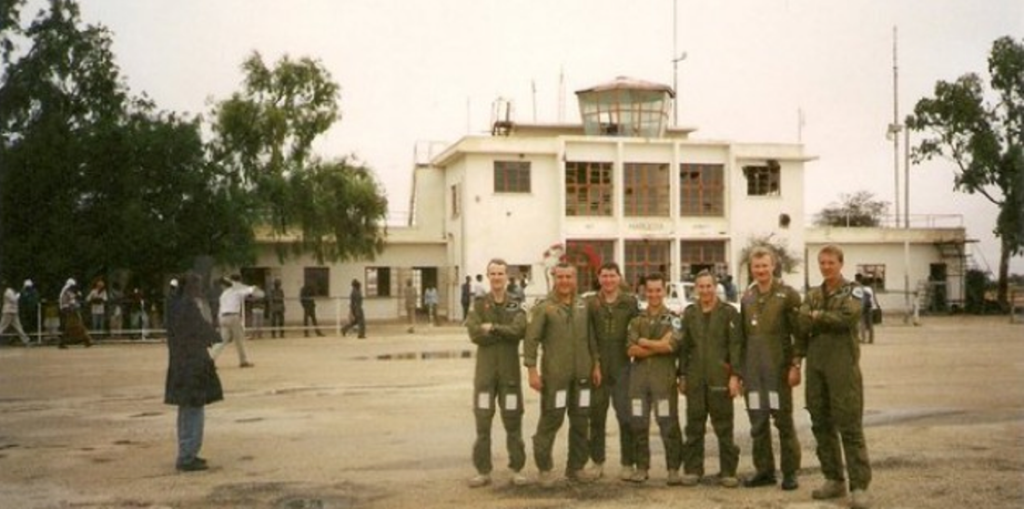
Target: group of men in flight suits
{"points": [[584, 355]]}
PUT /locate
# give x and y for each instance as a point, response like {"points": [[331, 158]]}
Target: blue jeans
{"points": [[97, 322], [190, 433]]}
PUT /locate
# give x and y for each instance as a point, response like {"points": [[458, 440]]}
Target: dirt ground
{"points": [[386, 422]]}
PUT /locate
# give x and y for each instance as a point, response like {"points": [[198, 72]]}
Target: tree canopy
{"points": [[984, 140], [859, 209], [96, 181], [263, 136]]}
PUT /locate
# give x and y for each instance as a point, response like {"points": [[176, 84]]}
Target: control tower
{"points": [[626, 107]]}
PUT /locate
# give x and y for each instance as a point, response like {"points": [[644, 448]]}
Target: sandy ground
{"points": [[386, 422]]}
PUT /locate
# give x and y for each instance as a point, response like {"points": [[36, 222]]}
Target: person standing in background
{"points": [[308, 301], [467, 297], [116, 309], [356, 317], [10, 316], [410, 305], [430, 301], [28, 307], [257, 307], [275, 305], [70, 311], [232, 300], [97, 300]]}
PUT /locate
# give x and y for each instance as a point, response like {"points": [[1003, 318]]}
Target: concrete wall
{"points": [[906, 254]]}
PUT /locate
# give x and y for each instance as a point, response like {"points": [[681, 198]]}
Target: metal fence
{"points": [[43, 325]]}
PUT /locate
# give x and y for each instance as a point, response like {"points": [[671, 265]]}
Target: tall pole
{"points": [[906, 173], [895, 126], [906, 216], [675, 63]]}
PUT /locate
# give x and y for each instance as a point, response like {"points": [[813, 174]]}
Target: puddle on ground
{"points": [[426, 356], [278, 495]]}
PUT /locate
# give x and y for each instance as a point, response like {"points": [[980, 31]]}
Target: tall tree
{"points": [[263, 138], [985, 141], [93, 180], [859, 209]]}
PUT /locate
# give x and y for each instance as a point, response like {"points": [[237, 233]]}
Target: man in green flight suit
{"points": [[497, 324], [711, 344], [653, 339], [570, 369], [835, 389], [770, 325], [611, 309]]}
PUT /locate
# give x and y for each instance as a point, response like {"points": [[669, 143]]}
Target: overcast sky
{"points": [[429, 70]]}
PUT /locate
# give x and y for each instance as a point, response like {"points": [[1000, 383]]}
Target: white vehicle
{"points": [[679, 296]]}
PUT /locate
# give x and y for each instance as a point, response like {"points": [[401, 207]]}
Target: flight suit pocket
{"points": [[584, 395], [511, 399]]}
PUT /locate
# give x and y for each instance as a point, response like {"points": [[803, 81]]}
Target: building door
{"points": [[937, 280]]}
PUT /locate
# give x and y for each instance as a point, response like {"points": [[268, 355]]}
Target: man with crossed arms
{"points": [[497, 325]]}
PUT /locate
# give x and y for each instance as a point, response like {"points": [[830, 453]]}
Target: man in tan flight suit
{"points": [[835, 387], [770, 308], [653, 340], [611, 309], [569, 370], [497, 325]]}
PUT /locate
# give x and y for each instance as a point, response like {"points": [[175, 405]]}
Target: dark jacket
{"points": [[191, 374]]}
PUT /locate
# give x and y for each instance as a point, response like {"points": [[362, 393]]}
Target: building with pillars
{"points": [[621, 186]]}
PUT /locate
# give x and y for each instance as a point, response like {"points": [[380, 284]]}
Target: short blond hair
{"points": [[762, 252]]}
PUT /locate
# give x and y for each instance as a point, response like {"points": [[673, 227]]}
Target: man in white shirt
{"points": [[479, 291], [231, 309], [10, 314]]}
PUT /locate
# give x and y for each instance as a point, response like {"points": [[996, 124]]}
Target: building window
{"points": [[701, 190], [872, 275], [646, 189], [588, 189], [646, 257], [318, 280], [378, 282], [587, 256], [455, 200], [511, 176], [698, 255], [763, 180]]}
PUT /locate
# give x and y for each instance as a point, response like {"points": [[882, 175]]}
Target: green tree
{"points": [[263, 137], [985, 141], [859, 209], [95, 181]]}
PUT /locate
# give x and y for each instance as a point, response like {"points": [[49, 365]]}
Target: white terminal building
{"points": [[621, 186]]}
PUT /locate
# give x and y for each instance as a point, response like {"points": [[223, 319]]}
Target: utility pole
{"points": [[896, 127], [676, 58]]}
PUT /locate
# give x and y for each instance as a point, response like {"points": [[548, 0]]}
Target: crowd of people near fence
{"points": [[81, 314]]}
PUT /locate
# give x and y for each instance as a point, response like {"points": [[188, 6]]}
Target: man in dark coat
{"points": [[356, 318], [192, 381], [308, 301]]}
